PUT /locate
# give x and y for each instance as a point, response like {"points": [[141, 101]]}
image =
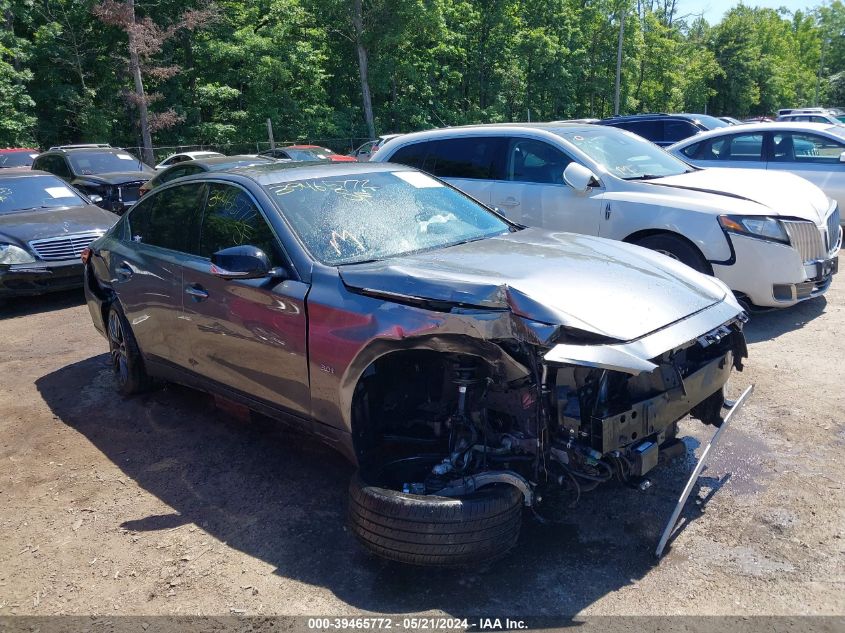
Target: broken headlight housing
{"points": [[761, 227], [11, 254]]}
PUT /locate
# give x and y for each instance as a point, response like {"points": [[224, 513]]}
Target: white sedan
{"points": [[181, 157], [815, 151], [773, 239]]}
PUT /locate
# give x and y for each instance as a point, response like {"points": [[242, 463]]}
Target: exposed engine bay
{"points": [[445, 424]]}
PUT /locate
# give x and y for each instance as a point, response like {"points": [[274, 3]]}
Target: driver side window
{"points": [[231, 218], [536, 161]]}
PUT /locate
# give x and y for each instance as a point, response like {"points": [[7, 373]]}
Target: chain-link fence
{"points": [[339, 145]]}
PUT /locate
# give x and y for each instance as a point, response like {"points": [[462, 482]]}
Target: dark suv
{"points": [[665, 129], [110, 176]]}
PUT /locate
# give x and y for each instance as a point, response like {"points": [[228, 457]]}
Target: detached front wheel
{"points": [[435, 531]]}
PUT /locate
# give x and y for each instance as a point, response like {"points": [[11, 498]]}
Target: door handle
{"points": [[510, 202], [197, 292], [124, 271]]}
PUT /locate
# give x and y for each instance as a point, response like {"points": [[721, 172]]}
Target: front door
{"points": [[249, 335], [812, 156], [534, 193]]}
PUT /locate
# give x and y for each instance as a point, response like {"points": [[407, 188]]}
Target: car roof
{"points": [[217, 160], [772, 126], [278, 172], [480, 129], [93, 148], [303, 147], [17, 172]]}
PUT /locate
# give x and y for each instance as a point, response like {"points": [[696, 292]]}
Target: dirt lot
{"points": [[164, 504]]}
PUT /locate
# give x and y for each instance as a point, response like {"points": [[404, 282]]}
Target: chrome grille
{"points": [[833, 230], [807, 239], [64, 246]]}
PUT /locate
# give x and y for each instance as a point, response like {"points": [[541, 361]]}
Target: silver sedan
{"points": [[814, 151]]}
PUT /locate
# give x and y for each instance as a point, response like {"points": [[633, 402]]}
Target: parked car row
{"points": [[480, 318]]}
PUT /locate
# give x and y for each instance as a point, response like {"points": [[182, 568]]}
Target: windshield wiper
{"points": [[646, 177]]}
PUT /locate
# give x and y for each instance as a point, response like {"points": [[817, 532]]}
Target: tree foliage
{"points": [[215, 70]]}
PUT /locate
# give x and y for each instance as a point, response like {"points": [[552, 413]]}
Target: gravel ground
{"points": [[166, 504]]}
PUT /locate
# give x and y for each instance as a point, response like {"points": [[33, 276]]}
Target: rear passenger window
{"points": [[651, 130], [536, 161], [232, 219], [742, 147], [691, 151], [479, 158], [168, 218], [411, 155]]}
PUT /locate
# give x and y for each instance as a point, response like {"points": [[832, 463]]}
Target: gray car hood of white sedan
{"points": [[603, 287]]}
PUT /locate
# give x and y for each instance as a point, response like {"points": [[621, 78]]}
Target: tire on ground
{"points": [[435, 531], [678, 248], [134, 379]]}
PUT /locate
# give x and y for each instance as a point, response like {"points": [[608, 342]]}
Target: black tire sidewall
{"points": [[685, 252], [137, 380], [430, 530]]}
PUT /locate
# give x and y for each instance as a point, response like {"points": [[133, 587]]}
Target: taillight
{"points": [[86, 254]]}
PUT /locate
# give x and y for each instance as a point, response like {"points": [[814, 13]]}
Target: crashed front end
{"points": [[560, 410]]}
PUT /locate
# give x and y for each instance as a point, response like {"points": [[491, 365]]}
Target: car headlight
{"points": [[755, 226], [11, 254]]}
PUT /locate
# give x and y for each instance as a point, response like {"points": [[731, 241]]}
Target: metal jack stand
{"points": [[673, 520]]}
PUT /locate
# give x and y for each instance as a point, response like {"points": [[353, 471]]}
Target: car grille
{"points": [[833, 230], [807, 239], [63, 247]]}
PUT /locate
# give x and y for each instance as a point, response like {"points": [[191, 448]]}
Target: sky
{"points": [[713, 10]]}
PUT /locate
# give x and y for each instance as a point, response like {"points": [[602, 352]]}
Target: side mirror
{"points": [[241, 262], [95, 198], [842, 157], [579, 177]]}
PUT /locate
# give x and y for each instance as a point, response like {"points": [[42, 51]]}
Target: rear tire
{"points": [[434, 531], [126, 360], [678, 249]]}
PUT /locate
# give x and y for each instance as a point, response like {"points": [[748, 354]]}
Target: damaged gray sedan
{"points": [[469, 366]]}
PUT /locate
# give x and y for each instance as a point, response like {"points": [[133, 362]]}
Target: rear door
{"points": [[533, 192], [148, 272], [248, 335]]}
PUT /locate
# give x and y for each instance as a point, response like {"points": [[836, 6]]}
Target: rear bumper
{"points": [[40, 278]]}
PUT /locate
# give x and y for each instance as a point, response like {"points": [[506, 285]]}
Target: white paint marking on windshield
{"points": [[417, 179], [60, 192], [124, 157]]}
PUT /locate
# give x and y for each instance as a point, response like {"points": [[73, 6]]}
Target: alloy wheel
{"points": [[117, 348]]}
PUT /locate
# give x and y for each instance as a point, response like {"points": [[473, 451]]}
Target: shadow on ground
{"points": [[770, 324], [25, 306], [281, 497]]}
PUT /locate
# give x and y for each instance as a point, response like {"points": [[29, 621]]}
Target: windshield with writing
{"points": [[362, 217]]}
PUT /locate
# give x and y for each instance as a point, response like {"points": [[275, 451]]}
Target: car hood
{"points": [[781, 193], [117, 177], [36, 224], [587, 283]]}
